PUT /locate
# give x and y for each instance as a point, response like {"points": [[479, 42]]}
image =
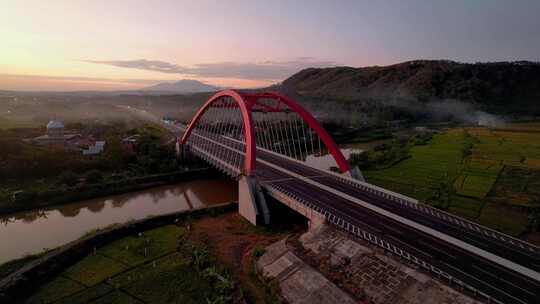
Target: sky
{"points": [[67, 45]]}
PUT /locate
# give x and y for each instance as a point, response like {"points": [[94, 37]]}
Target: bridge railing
{"points": [[277, 192], [381, 192], [413, 204], [200, 148], [469, 225]]}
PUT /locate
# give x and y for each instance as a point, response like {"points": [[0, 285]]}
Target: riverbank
{"points": [[31, 232], [43, 267], [68, 195], [188, 257]]}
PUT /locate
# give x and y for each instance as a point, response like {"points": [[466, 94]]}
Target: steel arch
{"points": [[313, 124], [245, 102], [249, 135]]}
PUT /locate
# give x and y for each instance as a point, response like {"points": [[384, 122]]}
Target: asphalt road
{"points": [[502, 283], [503, 249]]}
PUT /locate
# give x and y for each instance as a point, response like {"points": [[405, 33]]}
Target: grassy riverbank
{"points": [[204, 258], [65, 195]]}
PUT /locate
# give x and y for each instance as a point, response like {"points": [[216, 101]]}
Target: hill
{"points": [[182, 86], [509, 87]]}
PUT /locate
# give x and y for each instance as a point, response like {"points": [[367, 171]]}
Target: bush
{"points": [[68, 178], [94, 177], [258, 251], [200, 258]]}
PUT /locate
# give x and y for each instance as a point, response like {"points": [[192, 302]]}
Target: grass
{"points": [[124, 272], [501, 218], [518, 186], [483, 171], [87, 295], [172, 278], [134, 250], [421, 175], [466, 207], [6, 123], [117, 297], [94, 269], [55, 290]]}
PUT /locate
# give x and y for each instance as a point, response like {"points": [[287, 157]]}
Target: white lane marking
{"points": [[473, 249], [411, 203], [456, 242]]}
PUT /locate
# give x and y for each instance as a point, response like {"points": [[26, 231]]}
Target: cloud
{"points": [[266, 70], [69, 83], [77, 78], [143, 64]]}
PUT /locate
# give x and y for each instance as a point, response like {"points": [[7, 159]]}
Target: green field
{"points": [[490, 176], [157, 266]]}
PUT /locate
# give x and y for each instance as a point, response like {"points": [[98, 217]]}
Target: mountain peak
{"points": [[183, 86]]}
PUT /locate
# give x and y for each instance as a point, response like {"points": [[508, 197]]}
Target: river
{"points": [[31, 231], [326, 161]]}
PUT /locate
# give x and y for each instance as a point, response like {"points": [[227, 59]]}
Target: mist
{"points": [[378, 112], [36, 110], [19, 110]]}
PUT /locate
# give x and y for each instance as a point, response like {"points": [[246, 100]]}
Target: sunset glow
{"points": [[54, 45]]}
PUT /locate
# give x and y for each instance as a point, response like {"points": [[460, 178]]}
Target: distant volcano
{"points": [[183, 86]]}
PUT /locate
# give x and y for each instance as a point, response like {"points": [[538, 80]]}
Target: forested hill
{"points": [[501, 86]]}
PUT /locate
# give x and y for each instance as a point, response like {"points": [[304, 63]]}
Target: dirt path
{"points": [[233, 239]]}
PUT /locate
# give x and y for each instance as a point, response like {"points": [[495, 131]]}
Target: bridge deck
{"points": [[512, 278]]}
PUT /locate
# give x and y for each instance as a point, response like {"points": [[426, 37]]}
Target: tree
{"points": [[94, 177], [115, 154], [68, 178]]}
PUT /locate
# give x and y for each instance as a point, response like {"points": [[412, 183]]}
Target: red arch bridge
{"points": [[265, 141]]}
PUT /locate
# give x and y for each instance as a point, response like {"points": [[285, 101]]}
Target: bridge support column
{"points": [[251, 202], [180, 150], [356, 174]]}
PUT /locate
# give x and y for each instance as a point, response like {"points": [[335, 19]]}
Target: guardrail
{"points": [[277, 192], [444, 216], [413, 204]]}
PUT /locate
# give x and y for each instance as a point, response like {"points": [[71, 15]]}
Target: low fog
{"points": [[23, 110], [378, 112]]}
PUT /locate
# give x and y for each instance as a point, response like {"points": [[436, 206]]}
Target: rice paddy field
{"points": [[153, 267], [491, 176]]}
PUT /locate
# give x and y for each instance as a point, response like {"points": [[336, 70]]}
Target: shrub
{"points": [[94, 177], [68, 178], [258, 251]]}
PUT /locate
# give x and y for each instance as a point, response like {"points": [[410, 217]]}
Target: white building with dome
{"points": [[55, 129], [55, 135]]}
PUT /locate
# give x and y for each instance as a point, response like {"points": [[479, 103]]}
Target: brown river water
{"points": [[326, 161], [32, 231]]}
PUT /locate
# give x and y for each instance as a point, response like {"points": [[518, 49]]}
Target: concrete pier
{"points": [[252, 204]]}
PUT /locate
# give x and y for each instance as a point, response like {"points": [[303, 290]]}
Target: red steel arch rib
{"points": [[249, 134], [313, 124], [245, 103]]}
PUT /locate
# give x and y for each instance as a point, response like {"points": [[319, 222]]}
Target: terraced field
{"points": [[430, 165], [154, 267], [488, 175]]}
